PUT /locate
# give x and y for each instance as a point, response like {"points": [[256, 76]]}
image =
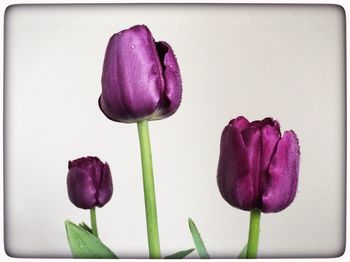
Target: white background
{"points": [[257, 61]]}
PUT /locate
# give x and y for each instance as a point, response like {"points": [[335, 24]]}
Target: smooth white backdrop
{"points": [[282, 61]]}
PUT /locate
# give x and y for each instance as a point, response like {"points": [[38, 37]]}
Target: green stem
{"points": [[254, 228], [93, 221], [149, 192]]}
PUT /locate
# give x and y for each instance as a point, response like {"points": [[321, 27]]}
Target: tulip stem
{"points": [[254, 229], [93, 221], [149, 192]]}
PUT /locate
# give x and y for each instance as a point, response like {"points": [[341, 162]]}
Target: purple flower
{"points": [[258, 168], [89, 182], [140, 79]]}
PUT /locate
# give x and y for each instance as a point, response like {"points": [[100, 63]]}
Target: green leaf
{"points": [[180, 254], [85, 227], [85, 245], [198, 242], [243, 253]]}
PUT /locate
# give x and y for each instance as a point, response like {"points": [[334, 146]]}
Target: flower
{"points": [[257, 167], [140, 79], [89, 182]]}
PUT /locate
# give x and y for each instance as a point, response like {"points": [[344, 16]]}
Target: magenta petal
{"points": [[235, 184], [106, 187], [132, 76], [171, 96], [282, 179], [81, 162], [81, 188], [239, 123], [267, 121], [89, 182], [269, 139], [252, 139], [140, 79], [257, 168]]}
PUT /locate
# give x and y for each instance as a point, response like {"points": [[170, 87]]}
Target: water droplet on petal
{"points": [[132, 46]]}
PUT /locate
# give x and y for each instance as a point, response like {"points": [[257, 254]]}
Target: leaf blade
{"points": [[181, 254], [243, 253], [85, 245], [197, 239], [85, 227]]}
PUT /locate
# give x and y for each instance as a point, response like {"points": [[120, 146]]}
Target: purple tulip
{"points": [[258, 168], [140, 79], [89, 182]]}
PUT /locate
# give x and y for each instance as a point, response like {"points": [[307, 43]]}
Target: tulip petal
{"points": [[252, 139], [81, 162], [239, 123], [132, 78], [171, 97], [281, 181], [235, 184], [106, 186], [269, 139], [81, 189]]}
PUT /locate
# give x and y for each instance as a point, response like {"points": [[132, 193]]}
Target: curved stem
{"points": [[149, 192], [253, 239], [93, 221]]}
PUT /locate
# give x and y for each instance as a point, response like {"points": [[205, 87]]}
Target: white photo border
{"points": [[4, 4]]}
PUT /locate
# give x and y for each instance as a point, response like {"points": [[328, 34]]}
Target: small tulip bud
{"points": [[258, 168], [89, 182], [140, 79]]}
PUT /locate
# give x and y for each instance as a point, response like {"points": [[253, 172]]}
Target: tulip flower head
{"points": [[258, 168], [89, 182], [140, 79]]}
